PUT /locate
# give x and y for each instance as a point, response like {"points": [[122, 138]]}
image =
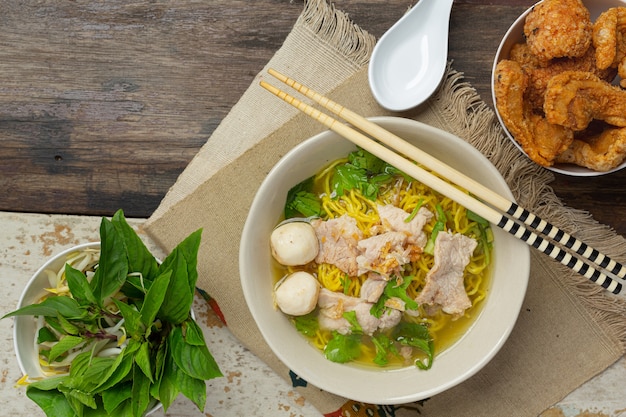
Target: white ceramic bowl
{"points": [[24, 327], [514, 35], [468, 355]]}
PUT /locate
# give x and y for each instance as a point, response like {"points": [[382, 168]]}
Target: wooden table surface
{"points": [[103, 104]]}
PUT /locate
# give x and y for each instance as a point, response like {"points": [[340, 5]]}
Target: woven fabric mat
{"points": [[568, 330]]}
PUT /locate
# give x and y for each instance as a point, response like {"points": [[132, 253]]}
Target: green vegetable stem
{"points": [[163, 352]]}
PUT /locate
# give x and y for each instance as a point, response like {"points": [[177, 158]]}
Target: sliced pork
{"points": [[338, 240], [384, 254], [444, 282], [373, 287], [394, 218], [333, 305]]}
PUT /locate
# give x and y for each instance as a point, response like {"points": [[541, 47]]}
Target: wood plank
{"points": [[102, 105]]}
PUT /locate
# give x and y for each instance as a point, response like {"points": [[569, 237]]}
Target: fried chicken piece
{"points": [[609, 40], [599, 153], [574, 98], [541, 71], [541, 140], [558, 28]]}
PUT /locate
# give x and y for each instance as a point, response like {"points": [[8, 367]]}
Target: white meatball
{"points": [[294, 243], [297, 294]]}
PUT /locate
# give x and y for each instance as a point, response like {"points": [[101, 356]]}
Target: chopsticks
{"points": [[490, 197]]}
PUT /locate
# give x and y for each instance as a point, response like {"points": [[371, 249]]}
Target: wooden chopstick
{"points": [[445, 188], [487, 195]]}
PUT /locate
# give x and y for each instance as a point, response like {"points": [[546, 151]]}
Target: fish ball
{"points": [[294, 243], [297, 294]]}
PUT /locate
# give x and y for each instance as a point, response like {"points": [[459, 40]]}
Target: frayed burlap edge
{"points": [[529, 183], [335, 28]]}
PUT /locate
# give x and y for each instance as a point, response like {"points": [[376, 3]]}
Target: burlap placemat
{"points": [[568, 330]]}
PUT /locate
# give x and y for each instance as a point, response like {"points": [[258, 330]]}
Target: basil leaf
{"points": [[139, 257], [183, 263], [46, 335], [118, 371], [168, 389], [52, 307], [140, 392], [114, 396], [53, 403], [113, 266], [142, 359], [192, 388], [132, 317], [195, 361], [193, 333], [79, 286], [343, 348], [154, 298], [62, 346]]}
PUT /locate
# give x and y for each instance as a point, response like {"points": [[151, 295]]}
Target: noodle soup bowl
{"points": [[25, 328], [371, 384]]}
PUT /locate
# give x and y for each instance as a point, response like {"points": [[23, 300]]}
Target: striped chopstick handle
{"points": [[564, 257], [570, 242]]}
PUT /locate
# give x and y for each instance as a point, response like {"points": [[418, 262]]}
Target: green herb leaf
{"points": [[416, 335], [52, 402], [117, 372], [343, 348], [139, 257], [132, 318], [304, 203], [62, 346], [192, 388], [113, 265], [307, 324], [79, 286], [140, 392], [113, 397], [183, 263], [168, 388], [355, 327], [439, 226], [46, 335], [384, 347], [193, 333], [154, 298], [142, 359], [301, 201], [196, 361], [52, 307]]}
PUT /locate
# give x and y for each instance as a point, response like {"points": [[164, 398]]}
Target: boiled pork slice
{"points": [[334, 304], [383, 254], [444, 282], [338, 242], [393, 218]]}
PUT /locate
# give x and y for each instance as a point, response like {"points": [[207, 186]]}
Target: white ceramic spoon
{"points": [[410, 59]]}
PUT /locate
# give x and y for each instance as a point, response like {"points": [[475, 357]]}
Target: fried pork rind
{"points": [[541, 140], [541, 71], [599, 153], [574, 98], [558, 28], [609, 40], [555, 93]]}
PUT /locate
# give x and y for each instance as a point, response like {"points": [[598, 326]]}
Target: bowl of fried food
{"points": [[558, 84], [370, 285]]}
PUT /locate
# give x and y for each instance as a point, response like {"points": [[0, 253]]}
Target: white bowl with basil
{"points": [[106, 326]]}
